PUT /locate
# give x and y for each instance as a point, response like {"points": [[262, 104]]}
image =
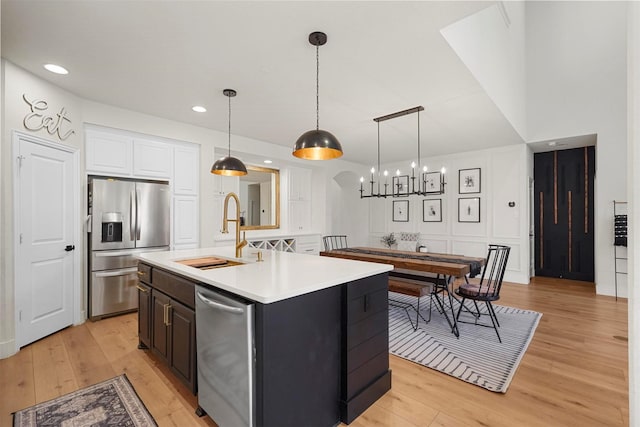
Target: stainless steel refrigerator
{"points": [[126, 217]]}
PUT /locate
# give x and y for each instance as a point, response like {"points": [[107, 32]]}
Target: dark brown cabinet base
{"points": [[167, 323]]}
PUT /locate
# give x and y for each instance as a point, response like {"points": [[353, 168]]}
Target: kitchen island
{"points": [[319, 326]]}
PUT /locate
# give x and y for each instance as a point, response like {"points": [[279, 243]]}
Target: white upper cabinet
{"points": [[123, 155], [186, 169], [299, 184], [109, 154], [223, 185], [185, 221], [299, 216], [151, 159]]}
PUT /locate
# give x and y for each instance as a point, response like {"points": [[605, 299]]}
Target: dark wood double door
{"points": [[564, 213]]}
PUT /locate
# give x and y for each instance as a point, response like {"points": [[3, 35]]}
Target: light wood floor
{"points": [[573, 374]]}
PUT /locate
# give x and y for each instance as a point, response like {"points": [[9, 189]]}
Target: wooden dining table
{"points": [[445, 267]]}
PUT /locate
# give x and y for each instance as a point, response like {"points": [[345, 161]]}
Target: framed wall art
{"points": [[400, 211], [469, 181], [432, 210], [400, 186], [432, 182], [469, 209]]}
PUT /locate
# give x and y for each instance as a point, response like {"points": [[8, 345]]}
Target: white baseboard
{"points": [[516, 277], [8, 348], [82, 319]]}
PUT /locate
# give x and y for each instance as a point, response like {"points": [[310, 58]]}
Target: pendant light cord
{"points": [[317, 87], [379, 160], [418, 114], [229, 126]]}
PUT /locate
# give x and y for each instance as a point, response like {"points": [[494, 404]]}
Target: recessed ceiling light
{"points": [[552, 144], [56, 69], [199, 109], [268, 162]]}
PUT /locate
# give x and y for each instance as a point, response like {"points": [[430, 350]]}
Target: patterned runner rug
{"points": [[477, 357], [110, 403]]}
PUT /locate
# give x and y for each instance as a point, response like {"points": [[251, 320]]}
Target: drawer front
{"points": [[144, 273], [176, 287], [366, 351], [367, 285], [366, 305]]}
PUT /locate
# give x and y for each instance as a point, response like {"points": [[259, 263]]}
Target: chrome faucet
{"points": [[225, 223]]}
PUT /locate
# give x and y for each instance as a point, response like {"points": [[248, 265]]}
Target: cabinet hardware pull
{"points": [[164, 313], [146, 291], [169, 314], [140, 273]]}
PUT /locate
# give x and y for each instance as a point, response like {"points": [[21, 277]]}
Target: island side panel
{"points": [[298, 360], [365, 344]]}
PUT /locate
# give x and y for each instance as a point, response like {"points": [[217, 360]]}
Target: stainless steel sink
{"points": [[208, 263]]}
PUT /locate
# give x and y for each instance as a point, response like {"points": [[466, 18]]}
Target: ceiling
{"points": [[163, 57]]}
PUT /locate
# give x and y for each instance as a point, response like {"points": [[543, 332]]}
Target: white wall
{"points": [[349, 215], [633, 194], [576, 85], [491, 45], [505, 176]]}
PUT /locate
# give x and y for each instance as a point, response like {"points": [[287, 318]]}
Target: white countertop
{"points": [[280, 276]]}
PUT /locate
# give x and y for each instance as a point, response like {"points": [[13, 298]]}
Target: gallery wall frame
{"points": [[469, 209], [432, 210], [400, 186], [432, 182], [400, 211], [469, 181]]}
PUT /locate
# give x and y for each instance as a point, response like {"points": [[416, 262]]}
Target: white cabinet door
{"points": [[186, 169], [151, 159], [185, 220], [223, 185], [299, 184], [108, 154], [299, 215]]}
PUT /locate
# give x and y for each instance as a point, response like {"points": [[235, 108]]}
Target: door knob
{"points": [[69, 248]]}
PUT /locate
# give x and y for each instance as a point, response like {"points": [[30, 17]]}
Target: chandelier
{"points": [[428, 183]]}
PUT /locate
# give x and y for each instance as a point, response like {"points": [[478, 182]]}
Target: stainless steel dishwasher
{"points": [[226, 364]]}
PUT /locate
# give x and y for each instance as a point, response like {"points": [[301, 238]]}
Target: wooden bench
{"points": [[413, 289], [409, 288]]}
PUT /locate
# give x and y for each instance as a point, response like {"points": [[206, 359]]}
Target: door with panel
{"points": [[44, 221], [160, 304], [564, 213], [182, 325]]}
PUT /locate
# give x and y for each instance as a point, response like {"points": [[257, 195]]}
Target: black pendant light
{"points": [[317, 144], [229, 166]]}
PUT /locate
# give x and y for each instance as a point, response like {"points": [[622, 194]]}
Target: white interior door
{"points": [[44, 257]]}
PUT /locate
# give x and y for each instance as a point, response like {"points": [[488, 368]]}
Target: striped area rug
{"points": [[476, 357]]}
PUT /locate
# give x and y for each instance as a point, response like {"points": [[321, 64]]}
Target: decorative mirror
{"points": [[260, 198]]}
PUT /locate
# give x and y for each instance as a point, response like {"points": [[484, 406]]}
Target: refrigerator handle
{"points": [[132, 219], [137, 214]]}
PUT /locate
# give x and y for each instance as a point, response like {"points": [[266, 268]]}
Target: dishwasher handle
{"points": [[219, 306]]}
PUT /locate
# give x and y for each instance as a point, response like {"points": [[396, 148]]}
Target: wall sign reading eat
{"points": [[40, 117]]}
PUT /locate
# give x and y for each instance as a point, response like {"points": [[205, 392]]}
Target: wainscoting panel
{"points": [[506, 219], [435, 245], [469, 248]]}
